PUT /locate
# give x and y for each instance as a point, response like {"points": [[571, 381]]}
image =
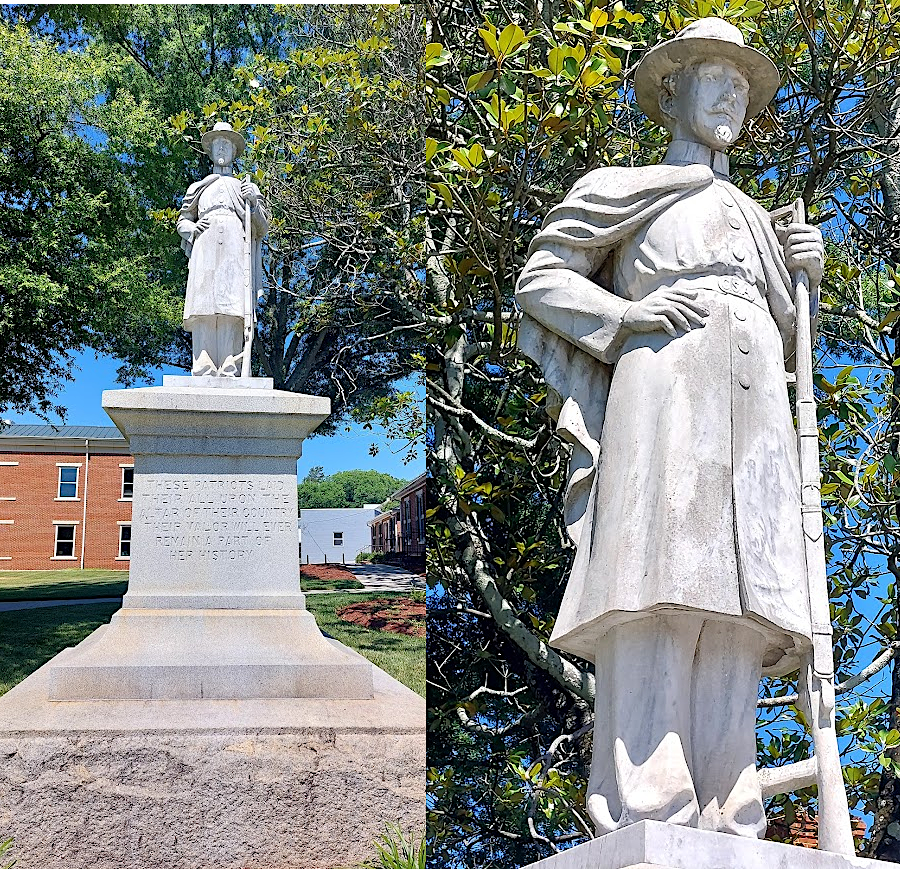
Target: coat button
{"points": [[744, 380], [728, 202], [725, 283], [734, 224], [739, 252], [739, 314], [743, 346]]}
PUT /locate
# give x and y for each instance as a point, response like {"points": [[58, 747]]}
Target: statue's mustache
{"points": [[723, 109]]}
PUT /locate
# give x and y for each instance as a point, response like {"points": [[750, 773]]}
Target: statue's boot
{"points": [[230, 367], [203, 366]]}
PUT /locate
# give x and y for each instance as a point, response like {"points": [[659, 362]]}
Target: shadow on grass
{"points": [[18, 585], [30, 638]]}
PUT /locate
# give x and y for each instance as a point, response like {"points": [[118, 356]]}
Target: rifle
{"points": [[816, 681], [250, 312]]}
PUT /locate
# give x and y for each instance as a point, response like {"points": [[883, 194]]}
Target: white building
{"points": [[335, 535]]}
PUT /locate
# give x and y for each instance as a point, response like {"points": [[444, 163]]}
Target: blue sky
{"points": [[347, 450]]}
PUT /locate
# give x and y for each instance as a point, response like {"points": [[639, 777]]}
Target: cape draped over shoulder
{"points": [[236, 201], [603, 209]]}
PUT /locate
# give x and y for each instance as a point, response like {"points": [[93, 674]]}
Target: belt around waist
{"points": [[736, 287], [213, 208]]}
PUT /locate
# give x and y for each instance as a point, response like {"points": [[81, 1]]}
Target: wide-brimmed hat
{"points": [[707, 39], [223, 130]]}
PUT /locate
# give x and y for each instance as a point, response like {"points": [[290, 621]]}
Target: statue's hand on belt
{"points": [[189, 231], [202, 225], [665, 310]]}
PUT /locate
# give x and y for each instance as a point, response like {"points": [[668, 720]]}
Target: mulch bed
{"points": [[326, 571], [397, 615]]}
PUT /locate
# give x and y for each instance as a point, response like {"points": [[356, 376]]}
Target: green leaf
{"points": [[444, 192], [488, 35], [478, 80], [510, 39]]}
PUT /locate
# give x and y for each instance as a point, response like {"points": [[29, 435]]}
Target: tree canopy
{"points": [[524, 98], [107, 105], [346, 489]]}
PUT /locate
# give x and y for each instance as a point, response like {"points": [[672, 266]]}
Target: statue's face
{"points": [[710, 103], [222, 151]]}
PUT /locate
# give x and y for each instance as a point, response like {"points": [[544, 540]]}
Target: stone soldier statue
{"points": [[220, 302], [658, 302]]}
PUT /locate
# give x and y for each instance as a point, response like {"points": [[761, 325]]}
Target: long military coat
{"points": [[684, 487], [217, 279]]}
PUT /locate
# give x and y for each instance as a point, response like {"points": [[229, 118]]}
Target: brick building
{"points": [[400, 533], [412, 517], [386, 532], [65, 497]]}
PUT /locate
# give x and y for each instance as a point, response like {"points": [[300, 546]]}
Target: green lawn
{"points": [[401, 656], [61, 584], [76, 584], [29, 638]]}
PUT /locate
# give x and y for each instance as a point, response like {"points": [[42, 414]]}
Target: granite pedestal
{"points": [[211, 723], [655, 845], [213, 608]]}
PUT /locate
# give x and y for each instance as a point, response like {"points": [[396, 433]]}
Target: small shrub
{"points": [[395, 851], [364, 557], [417, 595], [5, 846]]}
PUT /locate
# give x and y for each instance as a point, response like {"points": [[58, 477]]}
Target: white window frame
{"points": [[335, 536], [123, 497], [59, 481], [7, 498], [64, 524], [7, 522], [121, 557]]}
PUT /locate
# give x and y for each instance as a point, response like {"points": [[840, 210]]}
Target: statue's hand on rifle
{"points": [[250, 192], [804, 249]]}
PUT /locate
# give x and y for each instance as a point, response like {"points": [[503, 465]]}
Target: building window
{"points": [[338, 538], [65, 541], [68, 482], [124, 541], [127, 484], [420, 510]]}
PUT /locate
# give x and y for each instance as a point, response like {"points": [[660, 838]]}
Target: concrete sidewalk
{"points": [[9, 606], [386, 577]]}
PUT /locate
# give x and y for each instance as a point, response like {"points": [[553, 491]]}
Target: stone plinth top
{"points": [[215, 420], [394, 708], [655, 845], [213, 382], [215, 399]]}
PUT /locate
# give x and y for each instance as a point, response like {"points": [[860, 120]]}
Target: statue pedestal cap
{"points": [[655, 845]]}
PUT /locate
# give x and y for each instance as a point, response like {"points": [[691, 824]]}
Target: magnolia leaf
{"points": [[510, 39]]}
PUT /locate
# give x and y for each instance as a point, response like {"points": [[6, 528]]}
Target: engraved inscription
{"points": [[216, 520]]}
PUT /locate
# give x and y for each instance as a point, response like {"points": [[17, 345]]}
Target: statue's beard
{"points": [[723, 134]]}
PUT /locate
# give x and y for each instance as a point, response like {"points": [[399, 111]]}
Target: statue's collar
{"points": [[682, 153]]}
